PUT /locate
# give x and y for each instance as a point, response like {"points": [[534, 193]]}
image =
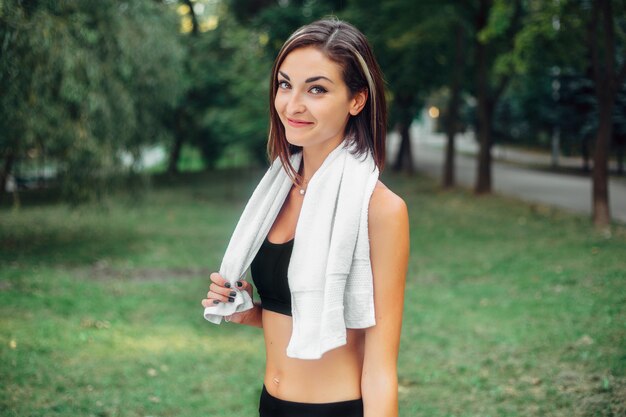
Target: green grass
{"points": [[510, 309]]}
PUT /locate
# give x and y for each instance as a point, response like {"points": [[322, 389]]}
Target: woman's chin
{"points": [[296, 142]]}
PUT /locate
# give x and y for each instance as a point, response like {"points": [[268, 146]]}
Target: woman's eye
{"points": [[283, 84], [317, 90]]}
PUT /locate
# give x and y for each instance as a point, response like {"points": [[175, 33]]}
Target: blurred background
{"points": [[92, 91], [132, 133]]}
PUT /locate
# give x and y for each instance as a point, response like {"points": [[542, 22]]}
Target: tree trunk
{"points": [[483, 166], [172, 167], [404, 158], [7, 168], [483, 171], [607, 81], [194, 18], [601, 211], [179, 135], [449, 179]]}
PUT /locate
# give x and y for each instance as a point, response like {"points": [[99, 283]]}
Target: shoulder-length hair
{"points": [[347, 46]]}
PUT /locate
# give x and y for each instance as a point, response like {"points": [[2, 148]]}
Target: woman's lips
{"points": [[298, 123]]}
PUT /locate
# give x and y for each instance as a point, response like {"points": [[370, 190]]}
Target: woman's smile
{"points": [[298, 123]]}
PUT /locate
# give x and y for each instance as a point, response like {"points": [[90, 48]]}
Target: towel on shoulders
{"points": [[330, 275]]}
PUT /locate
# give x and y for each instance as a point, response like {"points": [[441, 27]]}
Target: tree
{"points": [[413, 53], [99, 76], [181, 117], [608, 75], [585, 41], [240, 115], [456, 85], [496, 25]]}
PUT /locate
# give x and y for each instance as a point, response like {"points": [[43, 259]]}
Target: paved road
{"points": [[565, 191]]}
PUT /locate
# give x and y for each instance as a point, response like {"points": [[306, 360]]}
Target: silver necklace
{"points": [[303, 189]]}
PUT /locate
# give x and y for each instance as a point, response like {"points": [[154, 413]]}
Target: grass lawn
{"points": [[510, 309]]}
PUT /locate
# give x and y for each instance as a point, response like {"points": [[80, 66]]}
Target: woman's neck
{"points": [[313, 158]]}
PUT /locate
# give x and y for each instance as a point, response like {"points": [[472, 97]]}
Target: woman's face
{"points": [[312, 100]]}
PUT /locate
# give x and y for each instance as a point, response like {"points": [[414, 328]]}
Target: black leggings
{"points": [[270, 406]]}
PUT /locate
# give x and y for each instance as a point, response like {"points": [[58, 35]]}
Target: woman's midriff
{"points": [[334, 377]]}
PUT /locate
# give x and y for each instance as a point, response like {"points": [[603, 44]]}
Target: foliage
{"points": [[224, 109], [277, 20], [83, 81], [553, 86], [414, 52], [237, 113], [229, 69]]}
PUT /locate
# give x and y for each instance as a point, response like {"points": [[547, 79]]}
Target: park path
{"points": [[569, 192]]}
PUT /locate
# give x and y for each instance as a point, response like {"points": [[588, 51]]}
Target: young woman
{"points": [[327, 92]]}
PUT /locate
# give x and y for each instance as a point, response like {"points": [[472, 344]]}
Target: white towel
{"points": [[330, 275]]}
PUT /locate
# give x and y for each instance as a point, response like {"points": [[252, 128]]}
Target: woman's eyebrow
{"points": [[308, 80], [319, 77]]}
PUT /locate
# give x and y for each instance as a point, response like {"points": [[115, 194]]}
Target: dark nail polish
{"points": [[233, 293], [231, 299], [239, 284], [216, 301], [227, 285]]}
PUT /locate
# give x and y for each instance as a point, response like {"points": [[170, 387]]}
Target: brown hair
{"points": [[347, 46]]}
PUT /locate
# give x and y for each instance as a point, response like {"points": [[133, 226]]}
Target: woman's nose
{"points": [[295, 104]]}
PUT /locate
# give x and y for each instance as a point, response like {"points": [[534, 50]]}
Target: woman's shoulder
{"points": [[387, 210]]}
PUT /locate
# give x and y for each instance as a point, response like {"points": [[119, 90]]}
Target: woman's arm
{"points": [[389, 252]]}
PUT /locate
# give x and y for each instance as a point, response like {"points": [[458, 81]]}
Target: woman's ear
{"points": [[358, 102]]}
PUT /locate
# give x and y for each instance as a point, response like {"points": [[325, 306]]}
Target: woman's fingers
{"points": [[220, 290], [213, 298], [221, 297], [226, 292], [244, 285], [219, 280], [209, 303]]}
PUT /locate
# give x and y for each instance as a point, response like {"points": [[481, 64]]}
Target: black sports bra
{"points": [[269, 274]]}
